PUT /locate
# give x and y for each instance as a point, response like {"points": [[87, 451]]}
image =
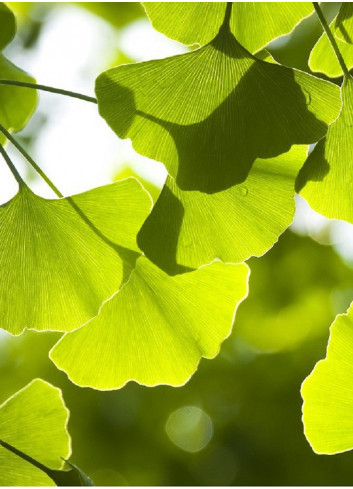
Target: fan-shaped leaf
{"points": [[156, 329], [322, 57], [208, 114], [328, 392], [254, 24], [327, 175], [187, 229], [34, 421], [60, 259]]}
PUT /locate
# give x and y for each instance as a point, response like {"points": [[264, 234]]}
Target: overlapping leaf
{"points": [[208, 114], [187, 229], [34, 421], [322, 58], [156, 329], [328, 392], [254, 24], [60, 259], [16, 103], [344, 23], [8, 25], [326, 178]]}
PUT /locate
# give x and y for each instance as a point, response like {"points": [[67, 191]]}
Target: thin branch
{"points": [[119, 249], [11, 166], [331, 39], [46, 88], [30, 160]]}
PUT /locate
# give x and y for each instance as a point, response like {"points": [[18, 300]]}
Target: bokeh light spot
{"points": [[189, 428]]}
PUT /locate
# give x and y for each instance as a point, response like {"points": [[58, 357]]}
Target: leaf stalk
{"points": [[47, 88], [331, 38], [30, 160], [25, 457], [13, 170]]}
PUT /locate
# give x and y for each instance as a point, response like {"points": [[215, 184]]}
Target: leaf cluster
{"points": [[144, 293]]}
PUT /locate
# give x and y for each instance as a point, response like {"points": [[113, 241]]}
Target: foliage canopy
{"points": [[142, 294]]}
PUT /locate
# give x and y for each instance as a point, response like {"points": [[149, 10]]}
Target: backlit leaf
{"points": [[344, 23], [187, 229], [208, 114], [327, 175], [328, 392], [322, 57], [254, 24], [17, 104], [156, 329], [57, 268], [34, 420]]}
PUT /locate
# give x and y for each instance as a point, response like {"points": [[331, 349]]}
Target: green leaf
{"points": [[156, 329], [326, 176], [17, 104], [189, 23], [59, 265], [7, 24], [208, 114], [34, 420], [344, 23], [118, 14], [328, 392], [253, 24], [322, 57], [187, 229]]}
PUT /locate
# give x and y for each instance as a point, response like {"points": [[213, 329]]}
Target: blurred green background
{"points": [[238, 421]]}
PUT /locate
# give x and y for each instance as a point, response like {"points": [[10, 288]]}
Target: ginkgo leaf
{"points": [[187, 229], [59, 261], [199, 22], [8, 25], [322, 57], [34, 420], [327, 175], [328, 392], [17, 104], [208, 114], [344, 23], [156, 328]]}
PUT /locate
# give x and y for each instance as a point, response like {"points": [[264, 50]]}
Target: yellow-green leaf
{"points": [[34, 420], [254, 24], [326, 177], [208, 114], [17, 104], [187, 229], [57, 267], [344, 23], [328, 392], [156, 328], [322, 57]]}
